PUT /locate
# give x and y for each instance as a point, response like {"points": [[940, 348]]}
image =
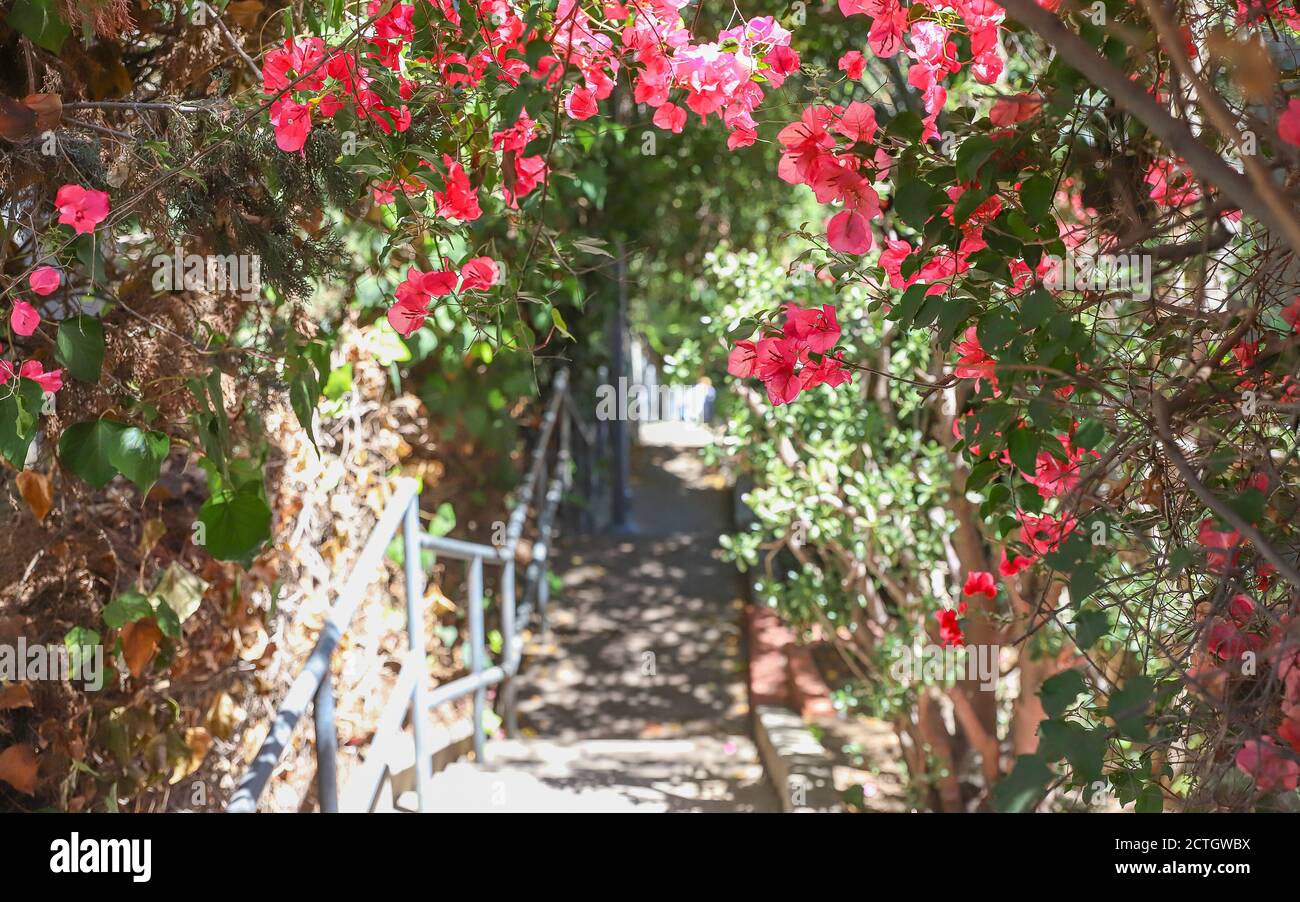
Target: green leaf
{"points": [[86, 449], [339, 382], [1036, 196], [560, 324], [1060, 691], [1036, 308], [912, 201], [972, 154], [1128, 708], [1084, 581], [1083, 748], [126, 608], [1089, 627], [138, 455], [79, 641], [236, 523], [444, 520], [1023, 787], [80, 347], [179, 590], [40, 21], [1151, 800], [1023, 445], [1089, 434], [20, 402]]}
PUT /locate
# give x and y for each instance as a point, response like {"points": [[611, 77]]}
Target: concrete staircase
{"points": [[606, 776]]}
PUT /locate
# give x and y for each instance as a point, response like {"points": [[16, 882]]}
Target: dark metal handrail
{"points": [[410, 695]]}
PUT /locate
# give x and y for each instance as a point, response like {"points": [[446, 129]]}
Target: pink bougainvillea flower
{"points": [[815, 329], [1010, 567], [1240, 609], [44, 281], [980, 582], [671, 117], [292, 123], [24, 319], [949, 628], [1010, 110], [480, 273], [408, 315], [742, 362], [1270, 767], [852, 64], [81, 208], [35, 371], [1288, 124], [848, 233], [580, 104], [1222, 549]]}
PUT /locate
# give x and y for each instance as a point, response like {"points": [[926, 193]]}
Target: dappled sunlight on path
{"points": [[638, 692]]}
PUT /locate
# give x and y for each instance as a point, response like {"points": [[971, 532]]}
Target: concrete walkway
{"points": [[636, 700]]}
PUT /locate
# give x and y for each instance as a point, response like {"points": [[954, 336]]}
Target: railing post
{"points": [[477, 648], [327, 745], [510, 630], [418, 648]]}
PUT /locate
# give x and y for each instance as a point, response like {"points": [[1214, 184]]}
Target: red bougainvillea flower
{"points": [[44, 281], [980, 582], [481, 273], [949, 628], [826, 371], [816, 329], [1228, 642], [35, 371], [1222, 549], [1288, 124], [408, 315], [81, 208], [459, 202], [1011, 567], [848, 233], [1271, 769], [24, 319], [777, 360], [973, 363], [1289, 732], [1044, 534], [292, 123]]}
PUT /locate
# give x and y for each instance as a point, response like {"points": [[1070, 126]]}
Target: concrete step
{"points": [[605, 775]]}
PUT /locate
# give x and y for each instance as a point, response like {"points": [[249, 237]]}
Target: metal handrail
{"points": [[410, 695]]}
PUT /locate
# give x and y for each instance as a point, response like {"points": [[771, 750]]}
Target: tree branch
{"points": [[1208, 165]]}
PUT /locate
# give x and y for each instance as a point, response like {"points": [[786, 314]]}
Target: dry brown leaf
{"points": [[244, 13], [1250, 63], [18, 768], [15, 695], [154, 530], [139, 642], [198, 740], [16, 121], [38, 491], [48, 109]]}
